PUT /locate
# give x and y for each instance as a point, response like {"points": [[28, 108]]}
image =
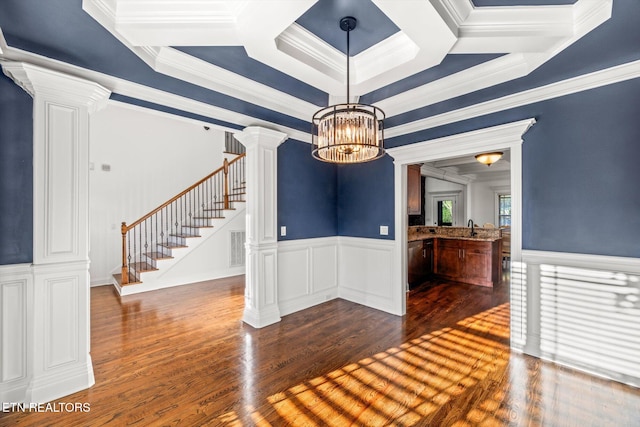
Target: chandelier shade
{"points": [[348, 133]]}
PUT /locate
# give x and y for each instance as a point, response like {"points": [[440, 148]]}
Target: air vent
{"points": [[236, 249]]}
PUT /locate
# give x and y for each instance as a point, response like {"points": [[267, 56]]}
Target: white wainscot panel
{"points": [[366, 272], [587, 312], [61, 315], [307, 273], [293, 274], [15, 284], [324, 267]]}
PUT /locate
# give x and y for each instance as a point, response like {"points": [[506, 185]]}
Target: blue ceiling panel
{"points": [[450, 65], [323, 20], [235, 59]]}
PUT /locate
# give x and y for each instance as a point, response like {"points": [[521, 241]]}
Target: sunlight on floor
{"points": [[410, 383]]}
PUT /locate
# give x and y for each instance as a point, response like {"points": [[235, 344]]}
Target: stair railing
{"points": [[147, 237]]}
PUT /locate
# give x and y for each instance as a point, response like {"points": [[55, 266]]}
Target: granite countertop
{"points": [[420, 232]]}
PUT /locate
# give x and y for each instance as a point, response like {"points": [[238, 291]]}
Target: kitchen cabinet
{"points": [[475, 262], [420, 259], [414, 187]]}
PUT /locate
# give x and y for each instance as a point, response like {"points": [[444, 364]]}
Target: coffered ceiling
{"points": [[236, 63]]}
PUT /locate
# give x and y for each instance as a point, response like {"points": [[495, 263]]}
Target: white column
{"points": [[58, 336], [261, 288]]}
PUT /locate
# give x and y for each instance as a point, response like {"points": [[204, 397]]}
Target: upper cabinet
{"points": [[414, 198]]}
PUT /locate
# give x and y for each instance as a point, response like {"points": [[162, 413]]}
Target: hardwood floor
{"points": [[182, 356]]}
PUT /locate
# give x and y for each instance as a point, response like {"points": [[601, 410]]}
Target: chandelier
{"points": [[351, 132]]}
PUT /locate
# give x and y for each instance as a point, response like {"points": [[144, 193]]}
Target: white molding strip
{"points": [[570, 86], [588, 261]]}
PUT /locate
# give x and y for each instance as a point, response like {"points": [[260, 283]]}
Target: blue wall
{"points": [[365, 199], [317, 199], [16, 173], [580, 173], [307, 193], [580, 176]]}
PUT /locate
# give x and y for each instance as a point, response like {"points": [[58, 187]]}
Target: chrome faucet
{"points": [[473, 233]]}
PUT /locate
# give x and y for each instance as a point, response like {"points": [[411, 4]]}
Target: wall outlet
{"points": [[283, 230], [384, 230]]}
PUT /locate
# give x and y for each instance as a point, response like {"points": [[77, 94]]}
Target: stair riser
{"points": [[178, 241]]}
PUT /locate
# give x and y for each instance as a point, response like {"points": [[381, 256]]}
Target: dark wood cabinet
{"points": [[420, 259], [448, 258], [469, 261], [414, 196]]}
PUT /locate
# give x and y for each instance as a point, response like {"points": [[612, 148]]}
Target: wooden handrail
{"points": [[224, 168], [124, 228]]}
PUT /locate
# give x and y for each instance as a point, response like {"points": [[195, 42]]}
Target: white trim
{"points": [[595, 262], [558, 89]]}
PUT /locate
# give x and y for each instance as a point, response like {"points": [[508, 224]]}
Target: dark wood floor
{"points": [[182, 356]]}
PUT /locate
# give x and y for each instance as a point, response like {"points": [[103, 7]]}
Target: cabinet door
{"points": [[427, 263], [448, 259], [476, 263], [414, 258], [414, 198]]}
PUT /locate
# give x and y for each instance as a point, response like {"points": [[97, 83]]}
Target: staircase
{"points": [[161, 237]]}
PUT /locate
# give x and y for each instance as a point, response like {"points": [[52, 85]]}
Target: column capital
{"points": [[38, 81], [257, 135]]}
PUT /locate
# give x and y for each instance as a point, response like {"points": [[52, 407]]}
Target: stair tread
{"points": [[185, 235], [172, 245], [158, 255], [132, 280], [208, 217], [142, 267]]}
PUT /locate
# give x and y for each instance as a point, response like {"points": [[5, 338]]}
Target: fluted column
{"points": [[56, 350], [261, 291]]}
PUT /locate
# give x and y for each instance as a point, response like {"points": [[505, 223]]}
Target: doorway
{"points": [[496, 138]]}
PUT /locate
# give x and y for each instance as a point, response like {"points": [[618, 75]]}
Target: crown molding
{"points": [[185, 67], [501, 136], [481, 76], [593, 80], [38, 81], [301, 44]]}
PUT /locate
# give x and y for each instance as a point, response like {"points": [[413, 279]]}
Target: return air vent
{"points": [[236, 249]]}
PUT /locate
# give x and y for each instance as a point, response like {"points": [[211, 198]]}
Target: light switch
{"points": [[384, 230], [283, 230]]}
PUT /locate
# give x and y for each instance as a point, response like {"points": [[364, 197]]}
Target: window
{"points": [[445, 212], [504, 210]]}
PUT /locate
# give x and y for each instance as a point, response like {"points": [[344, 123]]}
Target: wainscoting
{"points": [[311, 271], [579, 310], [16, 282]]}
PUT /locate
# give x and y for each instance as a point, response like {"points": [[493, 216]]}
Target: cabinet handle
{"points": [[424, 253]]}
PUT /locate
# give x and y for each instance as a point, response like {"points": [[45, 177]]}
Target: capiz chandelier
{"points": [[348, 133]]}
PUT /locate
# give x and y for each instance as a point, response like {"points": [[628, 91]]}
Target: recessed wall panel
{"points": [[61, 317], [14, 329], [62, 180]]}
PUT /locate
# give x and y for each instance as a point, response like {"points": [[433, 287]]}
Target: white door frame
{"points": [[501, 137]]}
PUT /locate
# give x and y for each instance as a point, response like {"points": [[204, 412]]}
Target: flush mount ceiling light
{"points": [[351, 132], [489, 158]]}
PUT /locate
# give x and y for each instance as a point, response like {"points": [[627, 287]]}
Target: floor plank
{"points": [[182, 356]]}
